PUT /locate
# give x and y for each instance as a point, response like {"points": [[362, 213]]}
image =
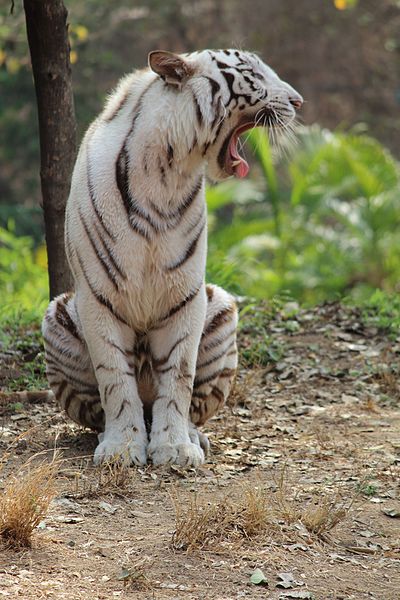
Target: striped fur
{"points": [[143, 352]]}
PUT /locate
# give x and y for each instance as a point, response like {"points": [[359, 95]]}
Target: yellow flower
{"points": [[81, 32], [41, 256], [341, 4], [13, 65], [73, 57]]}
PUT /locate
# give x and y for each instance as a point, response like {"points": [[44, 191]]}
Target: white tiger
{"points": [[143, 352]]}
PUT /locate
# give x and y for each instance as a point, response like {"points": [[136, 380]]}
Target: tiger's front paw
{"points": [[120, 448], [184, 455]]}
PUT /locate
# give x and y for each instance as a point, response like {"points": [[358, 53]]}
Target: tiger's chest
{"points": [[162, 272]]}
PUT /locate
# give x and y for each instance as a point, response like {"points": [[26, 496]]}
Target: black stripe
{"points": [[222, 65], [219, 319], [93, 200], [72, 379], [191, 197], [230, 80], [166, 369], [214, 358], [62, 360], [108, 389], [100, 256], [131, 206], [174, 403], [221, 124], [120, 106], [99, 297], [223, 150], [121, 175], [220, 373], [114, 345], [217, 119], [206, 147], [110, 253], [217, 342], [199, 114], [61, 387], [129, 373], [195, 224], [179, 212], [190, 250], [55, 332], [138, 107], [217, 393], [199, 395], [68, 399], [170, 154], [121, 169], [62, 317], [159, 362], [179, 306], [162, 170], [124, 404], [194, 143]]}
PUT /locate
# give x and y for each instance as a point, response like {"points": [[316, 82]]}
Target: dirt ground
{"points": [[316, 431]]}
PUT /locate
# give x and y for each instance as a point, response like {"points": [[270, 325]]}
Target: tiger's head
{"points": [[225, 93]]}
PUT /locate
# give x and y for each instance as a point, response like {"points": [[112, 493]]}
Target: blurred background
{"points": [[318, 221]]}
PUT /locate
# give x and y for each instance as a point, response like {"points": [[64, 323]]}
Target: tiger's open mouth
{"points": [[229, 158]]}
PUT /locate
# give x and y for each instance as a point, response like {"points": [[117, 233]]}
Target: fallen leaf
{"points": [[258, 578], [290, 594], [68, 519], [391, 512], [108, 507], [288, 581], [125, 574], [366, 533]]}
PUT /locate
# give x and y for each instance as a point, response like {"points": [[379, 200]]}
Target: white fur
{"points": [[147, 117]]}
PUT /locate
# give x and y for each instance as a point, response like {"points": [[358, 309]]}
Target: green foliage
{"points": [[257, 348], [23, 278], [323, 225], [20, 332], [382, 310]]}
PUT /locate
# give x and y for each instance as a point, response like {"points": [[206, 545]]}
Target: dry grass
{"points": [[322, 517], [25, 501], [318, 517], [134, 577], [201, 524], [239, 395], [389, 382], [110, 478]]}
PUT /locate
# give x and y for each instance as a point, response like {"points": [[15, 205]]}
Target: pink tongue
{"points": [[242, 168]]}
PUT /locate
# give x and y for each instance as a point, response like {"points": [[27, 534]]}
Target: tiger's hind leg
{"points": [[68, 365], [216, 362]]}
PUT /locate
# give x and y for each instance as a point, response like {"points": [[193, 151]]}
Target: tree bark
{"points": [[46, 25]]}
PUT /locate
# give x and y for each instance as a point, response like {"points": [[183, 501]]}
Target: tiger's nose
{"points": [[296, 101]]}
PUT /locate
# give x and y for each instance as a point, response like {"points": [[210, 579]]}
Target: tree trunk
{"points": [[46, 24]]}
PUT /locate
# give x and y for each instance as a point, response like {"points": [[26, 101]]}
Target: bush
{"points": [[23, 275], [321, 223]]}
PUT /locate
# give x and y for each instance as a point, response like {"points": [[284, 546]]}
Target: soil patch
{"points": [[313, 433]]}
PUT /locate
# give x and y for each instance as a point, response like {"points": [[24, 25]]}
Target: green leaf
{"points": [[125, 574], [258, 578]]}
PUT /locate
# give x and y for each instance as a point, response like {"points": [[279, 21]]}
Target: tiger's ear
{"points": [[171, 67]]}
